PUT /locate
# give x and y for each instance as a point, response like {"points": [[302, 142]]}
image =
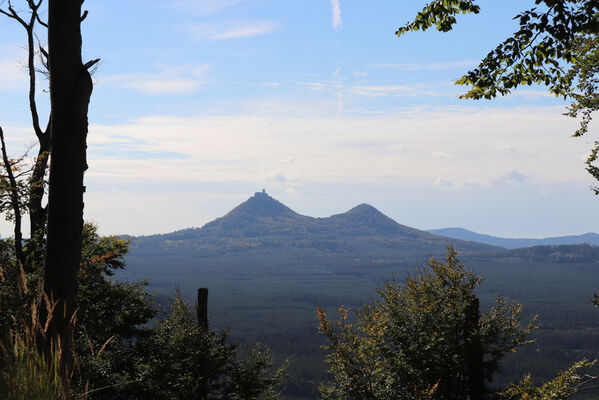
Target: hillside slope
{"points": [[513, 243]]}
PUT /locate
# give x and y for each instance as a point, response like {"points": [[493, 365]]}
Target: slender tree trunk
{"points": [[14, 201], [37, 212], [70, 91]]}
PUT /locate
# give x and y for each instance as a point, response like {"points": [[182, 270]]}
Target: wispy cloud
{"points": [[250, 148], [12, 76], [205, 7], [336, 9], [429, 66], [440, 154], [178, 80], [13, 73], [511, 176], [392, 90], [444, 183], [234, 29], [291, 152]]}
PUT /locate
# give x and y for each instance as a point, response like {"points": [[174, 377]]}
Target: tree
{"points": [[423, 339], [111, 320], [186, 361], [36, 185], [113, 316], [70, 92], [121, 352], [12, 195], [556, 45]]}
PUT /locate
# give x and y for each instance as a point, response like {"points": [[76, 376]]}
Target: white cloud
{"points": [[382, 90], [340, 102], [430, 66], [512, 176], [12, 76], [440, 154], [324, 149], [164, 86], [277, 176], [441, 182], [432, 89], [234, 29], [180, 80], [332, 163], [13, 72], [336, 9]]}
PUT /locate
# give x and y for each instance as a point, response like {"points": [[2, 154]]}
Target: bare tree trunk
{"points": [[70, 91], [14, 202]]}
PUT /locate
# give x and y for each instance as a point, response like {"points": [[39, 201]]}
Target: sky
{"points": [[198, 104]]}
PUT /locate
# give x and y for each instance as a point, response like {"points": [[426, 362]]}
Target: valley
{"points": [[267, 268]]}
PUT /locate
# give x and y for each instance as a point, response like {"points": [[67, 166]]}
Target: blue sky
{"points": [[199, 103]]}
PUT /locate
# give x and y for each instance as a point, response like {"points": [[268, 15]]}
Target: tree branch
{"points": [[11, 13], [91, 63]]}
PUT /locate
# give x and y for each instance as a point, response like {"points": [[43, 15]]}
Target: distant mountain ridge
{"points": [[515, 243], [262, 222]]}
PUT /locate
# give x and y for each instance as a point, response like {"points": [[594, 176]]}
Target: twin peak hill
{"points": [[263, 224]]}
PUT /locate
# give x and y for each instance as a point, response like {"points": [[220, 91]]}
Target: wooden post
{"points": [[473, 352], [202, 308]]}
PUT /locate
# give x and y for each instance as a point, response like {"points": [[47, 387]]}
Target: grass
{"points": [[25, 373]]}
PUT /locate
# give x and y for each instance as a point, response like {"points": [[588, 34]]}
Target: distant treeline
{"points": [[558, 254]]}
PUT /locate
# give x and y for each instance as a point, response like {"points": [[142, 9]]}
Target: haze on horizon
{"points": [[198, 104]]}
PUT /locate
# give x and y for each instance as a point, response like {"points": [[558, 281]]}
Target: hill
{"points": [[514, 243], [263, 223]]}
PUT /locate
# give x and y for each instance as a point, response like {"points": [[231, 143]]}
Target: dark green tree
{"points": [[112, 318], [122, 352], [186, 361], [423, 339]]}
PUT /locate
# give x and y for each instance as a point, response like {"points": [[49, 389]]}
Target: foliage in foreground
{"points": [[121, 352], [427, 339], [185, 361], [25, 374]]}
